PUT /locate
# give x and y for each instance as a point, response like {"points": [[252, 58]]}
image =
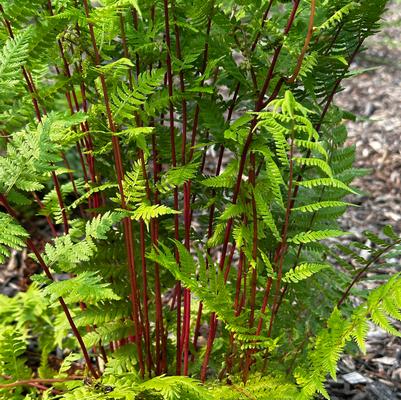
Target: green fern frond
{"points": [[87, 287], [177, 176], [177, 387], [328, 182], [126, 101], [110, 331], [11, 235], [217, 236], [322, 204], [313, 146], [148, 212], [268, 265], [266, 215], [134, 185], [225, 180], [98, 226], [314, 236], [13, 344], [13, 56], [232, 211], [101, 314], [337, 17], [65, 254], [309, 63], [122, 361], [51, 206], [315, 162], [89, 193], [303, 271]]}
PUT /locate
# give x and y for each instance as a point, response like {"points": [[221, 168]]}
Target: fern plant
{"points": [[191, 165]]}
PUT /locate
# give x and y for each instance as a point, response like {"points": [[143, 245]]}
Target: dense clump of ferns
{"points": [[190, 165]]}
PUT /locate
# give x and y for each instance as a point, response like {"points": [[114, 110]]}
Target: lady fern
{"points": [[191, 165]]}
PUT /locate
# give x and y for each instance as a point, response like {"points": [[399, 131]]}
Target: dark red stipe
{"points": [[258, 107], [127, 223]]}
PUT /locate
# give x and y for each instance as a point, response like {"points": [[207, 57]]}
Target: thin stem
{"points": [[142, 238], [241, 168], [84, 127], [187, 199], [266, 13], [127, 223], [174, 164], [363, 270], [306, 44], [202, 71]]}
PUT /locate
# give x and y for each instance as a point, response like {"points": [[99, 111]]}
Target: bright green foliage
{"points": [[303, 271], [313, 236], [176, 177], [86, 288], [330, 342], [149, 212], [126, 101], [12, 346], [68, 251], [166, 149], [12, 58], [11, 235], [20, 316]]}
